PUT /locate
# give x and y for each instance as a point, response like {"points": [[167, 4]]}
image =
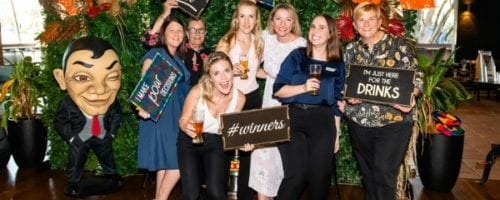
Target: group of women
{"points": [[212, 82]]}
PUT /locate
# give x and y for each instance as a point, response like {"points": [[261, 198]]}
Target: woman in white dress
{"points": [[281, 37]]}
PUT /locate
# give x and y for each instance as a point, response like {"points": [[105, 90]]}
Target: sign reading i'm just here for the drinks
{"points": [[379, 84], [156, 87], [259, 127]]}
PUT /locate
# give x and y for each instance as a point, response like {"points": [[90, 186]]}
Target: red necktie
{"points": [[96, 128]]}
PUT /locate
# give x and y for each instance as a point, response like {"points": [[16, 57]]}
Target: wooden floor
{"points": [[481, 120], [45, 184]]}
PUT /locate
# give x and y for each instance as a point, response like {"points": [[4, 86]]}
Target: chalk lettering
{"points": [[155, 89], [386, 81], [142, 92], [378, 73], [256, 128], [378, 90], [373, 79]]}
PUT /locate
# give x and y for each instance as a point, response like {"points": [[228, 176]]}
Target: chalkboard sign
{"points": [[192, 7], [260, 126], [156, 86], [379, 84]]}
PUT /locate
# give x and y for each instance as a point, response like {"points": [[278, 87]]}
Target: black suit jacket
{"points": [[69, 119]]}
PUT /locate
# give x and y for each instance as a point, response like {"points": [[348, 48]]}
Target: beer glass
{"points": [[244, 66], [315, 72], [198, 116]]}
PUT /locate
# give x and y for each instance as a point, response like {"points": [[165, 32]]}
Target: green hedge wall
{"points": [[124, 33]]}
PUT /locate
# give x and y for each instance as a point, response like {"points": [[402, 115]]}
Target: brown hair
{"points": [[333, 52], [181, 49], [205, 83], [288, 7]]}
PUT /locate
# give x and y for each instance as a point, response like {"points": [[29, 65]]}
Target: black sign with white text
{"points": [[260, 126], [379, 84]]}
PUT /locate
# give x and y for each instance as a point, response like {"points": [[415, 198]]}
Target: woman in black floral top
{"points": [[379, 133]]}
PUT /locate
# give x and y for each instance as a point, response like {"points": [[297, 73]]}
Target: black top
{"points": [[194, 63]]}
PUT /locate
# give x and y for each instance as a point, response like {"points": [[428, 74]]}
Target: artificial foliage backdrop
{"points": [[123, 30]]}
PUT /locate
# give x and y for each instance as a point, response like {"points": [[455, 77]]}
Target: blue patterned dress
{"points": [[157, 148]]}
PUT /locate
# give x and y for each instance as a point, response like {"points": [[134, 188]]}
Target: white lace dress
{"points": [[266, 168]]}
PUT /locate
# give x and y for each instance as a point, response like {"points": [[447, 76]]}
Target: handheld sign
{"points": [[379, 84], [156, 87], [260, 126], [192, 7]]}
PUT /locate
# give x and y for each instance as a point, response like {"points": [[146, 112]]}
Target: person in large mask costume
{"points": [[89, 115]]}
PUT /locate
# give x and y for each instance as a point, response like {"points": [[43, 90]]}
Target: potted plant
{"points": [[20, 98], [438, 156]]}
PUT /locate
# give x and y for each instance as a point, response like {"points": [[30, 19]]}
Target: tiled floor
{"points": [[481, 122]]}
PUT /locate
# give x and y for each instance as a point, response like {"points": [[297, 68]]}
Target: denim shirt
{"points": [[295, 71]]}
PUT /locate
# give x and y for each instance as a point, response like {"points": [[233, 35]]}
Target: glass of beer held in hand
{"points": [[198, 116], [315, 72], [244, 66]]}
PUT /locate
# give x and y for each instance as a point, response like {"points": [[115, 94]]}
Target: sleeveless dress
{"points": [[157, 146], [211, 124], [266, 168]]}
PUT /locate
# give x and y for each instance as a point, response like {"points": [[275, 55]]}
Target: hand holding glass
{"points": [[315, 72], [197, 118], [244, 66]]}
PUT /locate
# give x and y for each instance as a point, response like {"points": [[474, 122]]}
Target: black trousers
{"points": [[308, 157], [380, 152], [253, 101], [207, 158], [78, 152]]}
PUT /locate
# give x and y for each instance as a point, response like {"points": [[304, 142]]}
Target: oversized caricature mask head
{"points": [[91, 74]]}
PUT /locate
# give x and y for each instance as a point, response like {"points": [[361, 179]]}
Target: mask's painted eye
{"points": [[81, 77], [114, 77]]}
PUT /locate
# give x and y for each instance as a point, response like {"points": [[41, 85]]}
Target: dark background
{"points": [[478, 29]]}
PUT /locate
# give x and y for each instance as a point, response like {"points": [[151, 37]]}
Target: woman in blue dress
{"points": [[157, 149]]}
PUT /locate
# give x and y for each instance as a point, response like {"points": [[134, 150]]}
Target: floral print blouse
{"points": [[392, 52]]}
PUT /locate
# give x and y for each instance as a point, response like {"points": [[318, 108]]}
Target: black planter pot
{"points": [[439, 161], [28, 142], [4, 149]]}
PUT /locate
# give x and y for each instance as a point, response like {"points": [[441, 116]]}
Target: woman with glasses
{"points": [[195, 32]]}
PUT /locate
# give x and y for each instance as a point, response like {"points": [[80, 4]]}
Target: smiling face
{"points": [[319, 32], [221, 76], [196, 33], [174, 36], [367, 23], [282, 22], [247, 18], [92, 83]]}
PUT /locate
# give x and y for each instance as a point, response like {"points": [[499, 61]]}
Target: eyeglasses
{"points": [[199, 30]]}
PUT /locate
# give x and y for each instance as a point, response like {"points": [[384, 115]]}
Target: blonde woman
{"points": [[281, 36], [215, 95], [244, 40]]}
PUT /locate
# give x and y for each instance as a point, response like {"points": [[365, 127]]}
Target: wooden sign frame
{"points": [[380, 85], [258, 127]]}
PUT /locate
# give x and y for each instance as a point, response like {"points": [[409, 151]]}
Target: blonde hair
{"points": [[228, 41], [205, 83], [293, 12], [365, 7]]}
